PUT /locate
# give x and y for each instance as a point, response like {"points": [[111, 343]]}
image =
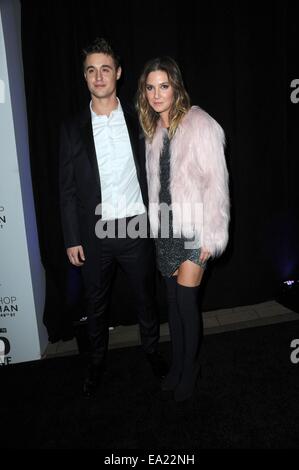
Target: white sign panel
{"points": [[22, 334]]}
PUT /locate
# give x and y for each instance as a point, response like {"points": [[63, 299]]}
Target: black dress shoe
{"points": [[92, 380], [158, 364], [170, 382]]}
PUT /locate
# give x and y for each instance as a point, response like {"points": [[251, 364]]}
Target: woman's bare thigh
{"points": [[189, 274]]}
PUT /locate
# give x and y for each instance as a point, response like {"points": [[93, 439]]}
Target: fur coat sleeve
{"points": [[215, 195]]}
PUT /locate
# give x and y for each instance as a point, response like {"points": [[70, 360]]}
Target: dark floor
{"points": [[246, 399]]}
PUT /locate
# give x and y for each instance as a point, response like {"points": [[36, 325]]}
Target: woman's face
{"points": [[159, 92]]}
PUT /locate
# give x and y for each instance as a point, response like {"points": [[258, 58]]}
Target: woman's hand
{"points": [[204, 255]]}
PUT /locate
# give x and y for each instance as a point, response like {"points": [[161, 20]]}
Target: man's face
{"points": [[101, 75]]}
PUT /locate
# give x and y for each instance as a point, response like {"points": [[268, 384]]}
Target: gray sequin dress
{"points": [[171, 251]]}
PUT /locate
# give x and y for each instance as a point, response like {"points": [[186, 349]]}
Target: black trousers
{"points": [[136, 259]]}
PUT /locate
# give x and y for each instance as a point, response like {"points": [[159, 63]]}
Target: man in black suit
{"points": [[102, 171]]}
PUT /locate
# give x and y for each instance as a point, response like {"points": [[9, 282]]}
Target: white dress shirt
{"points": [[121, 194]]}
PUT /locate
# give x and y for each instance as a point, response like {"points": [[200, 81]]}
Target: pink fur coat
{"points": [[198, 180]]}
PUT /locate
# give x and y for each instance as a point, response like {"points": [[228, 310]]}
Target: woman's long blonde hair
{"points": [[181, 104]]}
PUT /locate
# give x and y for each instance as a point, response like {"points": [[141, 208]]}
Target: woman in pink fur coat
{"points": [[188, 206]]}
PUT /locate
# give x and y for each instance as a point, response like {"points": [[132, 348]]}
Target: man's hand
{"points": [[76, 255]]}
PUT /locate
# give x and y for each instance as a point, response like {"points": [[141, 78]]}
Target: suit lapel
{"points": [[132, 126], [87, 134]]}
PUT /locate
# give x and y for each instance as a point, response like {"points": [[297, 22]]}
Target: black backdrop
{"points": [[238, 60]]}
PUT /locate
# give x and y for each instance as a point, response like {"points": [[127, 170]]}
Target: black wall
{"points": [[238, 60]]}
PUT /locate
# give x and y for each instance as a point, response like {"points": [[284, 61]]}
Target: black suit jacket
{"points": [[80, 181]]}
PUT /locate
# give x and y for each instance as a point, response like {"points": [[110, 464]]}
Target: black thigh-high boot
{"points": [[176, 334], [187, 298]]}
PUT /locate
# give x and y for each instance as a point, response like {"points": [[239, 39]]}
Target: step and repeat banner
{"points": [[23, 336]]}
